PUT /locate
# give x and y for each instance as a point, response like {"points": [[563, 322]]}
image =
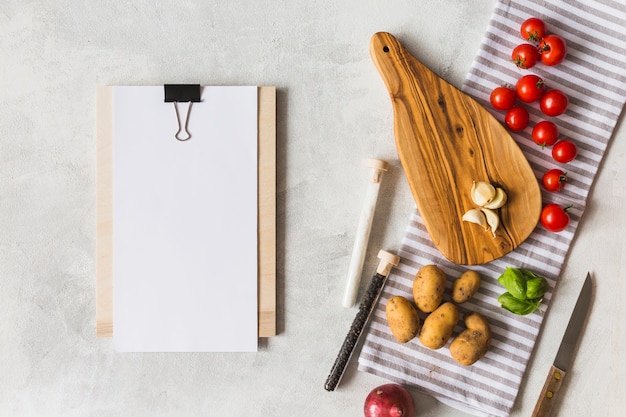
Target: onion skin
{"points": [[389, 400]]}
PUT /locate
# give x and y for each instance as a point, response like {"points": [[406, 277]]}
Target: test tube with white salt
{"points": [[363, 231]]}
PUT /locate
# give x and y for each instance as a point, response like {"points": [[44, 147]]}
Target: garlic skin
{"points": [[482, 192], [498, 200], [493, 220], [476, 216]]}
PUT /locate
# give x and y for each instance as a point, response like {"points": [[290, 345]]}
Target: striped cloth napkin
{"points": [[594, 77]]}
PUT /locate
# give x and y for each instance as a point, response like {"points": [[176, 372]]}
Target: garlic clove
{"points": [[493, 220], [476, 216], [482, 192], [498, 201]]}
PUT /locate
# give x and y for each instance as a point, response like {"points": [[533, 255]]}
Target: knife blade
{"points": [[565, 354]]}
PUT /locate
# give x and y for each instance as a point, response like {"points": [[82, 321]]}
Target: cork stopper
{"points": [[378, 166], [387, 261]]}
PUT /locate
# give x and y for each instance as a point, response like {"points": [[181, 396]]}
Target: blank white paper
{"points": [[185, 222]]}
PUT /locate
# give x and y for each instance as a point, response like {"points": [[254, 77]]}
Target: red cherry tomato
{"points": [[502, 98], [552, 50], [564, 151], [545, 133], [516, 118], [553, 103], [525, 56], [533, 29], [554, 180], [554, 217], [530, 88]]}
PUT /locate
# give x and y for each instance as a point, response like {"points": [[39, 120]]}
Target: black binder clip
{"points": [[189, 93]]}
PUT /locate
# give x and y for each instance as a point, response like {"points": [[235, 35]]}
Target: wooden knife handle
{"points": [[549, 392]]}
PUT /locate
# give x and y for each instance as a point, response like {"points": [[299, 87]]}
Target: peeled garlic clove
{"points": [[476, 216], [498, 201], [493, 220], [482, 192]]}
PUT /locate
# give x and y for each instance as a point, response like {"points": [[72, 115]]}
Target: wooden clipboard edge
{"points": [[267, 211], [266, 201], [104, 212]]}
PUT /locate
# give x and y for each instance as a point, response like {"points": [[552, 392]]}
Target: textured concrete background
{"points": [[333, 112]]}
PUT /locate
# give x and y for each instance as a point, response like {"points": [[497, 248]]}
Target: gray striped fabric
{"points": [[594, 77]]}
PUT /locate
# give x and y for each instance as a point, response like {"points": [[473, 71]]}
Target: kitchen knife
{"points": [[564, 356]]}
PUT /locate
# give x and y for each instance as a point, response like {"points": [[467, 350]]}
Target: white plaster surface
{"points": [[333, 113]]}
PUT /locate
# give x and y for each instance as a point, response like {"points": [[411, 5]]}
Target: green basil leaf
{"points": [[514, 280], [536, 287], [517, 306], [528, 274]]}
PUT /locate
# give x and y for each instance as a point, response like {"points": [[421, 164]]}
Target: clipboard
{"points": [[266, 212]]}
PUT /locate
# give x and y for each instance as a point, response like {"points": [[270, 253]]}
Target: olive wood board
{"points": [[266, 209], [445, 140]]}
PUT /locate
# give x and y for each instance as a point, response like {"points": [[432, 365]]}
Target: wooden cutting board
{"points": [[445, 141], [266, 221]]}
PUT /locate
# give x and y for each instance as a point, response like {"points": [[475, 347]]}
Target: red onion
{"points": [[389, 400]]}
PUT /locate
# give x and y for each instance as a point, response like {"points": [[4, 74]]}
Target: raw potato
{"points": [[439, 325], [465, 286], [428, 288], [473, 343], [402, 318]]}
